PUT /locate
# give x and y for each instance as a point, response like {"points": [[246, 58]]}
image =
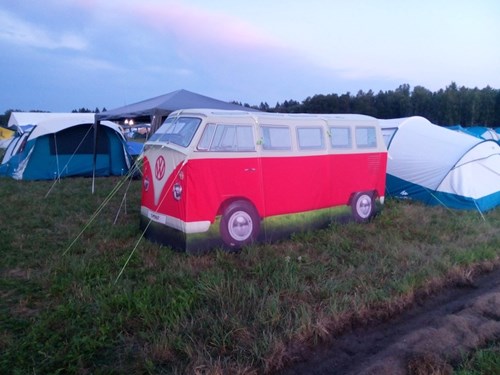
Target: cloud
{"points": [[199, 25], [178, 72], [182, 23], [17, 31], [93, 64]]}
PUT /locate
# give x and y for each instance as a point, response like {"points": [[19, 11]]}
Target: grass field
{"points": [[483, 362], [115, 303]]}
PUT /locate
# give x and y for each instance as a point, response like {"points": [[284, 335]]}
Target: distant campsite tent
{"points": [[6, 136], [63, 146], [482, 132], [155, 110], [436, 165], [6, 133]]}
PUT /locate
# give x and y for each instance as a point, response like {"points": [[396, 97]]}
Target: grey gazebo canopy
{"points": [[156, 109]]}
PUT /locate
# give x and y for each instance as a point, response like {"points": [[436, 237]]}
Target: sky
{"points": [[61, 55]]}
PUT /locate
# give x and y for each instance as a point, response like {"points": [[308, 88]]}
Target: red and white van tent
{"points": [[229, 178]]}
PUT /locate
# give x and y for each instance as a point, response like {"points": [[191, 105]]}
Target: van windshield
{"points": [[178, 130]]}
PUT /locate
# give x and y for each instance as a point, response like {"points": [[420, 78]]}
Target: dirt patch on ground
{"points": [[436, 331]]}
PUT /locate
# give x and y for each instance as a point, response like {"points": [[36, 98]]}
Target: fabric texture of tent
{"points": [[439, 166], [158, 108], [18, 119], [63, 146]]}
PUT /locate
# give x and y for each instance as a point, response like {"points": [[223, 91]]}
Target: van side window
{"points": [[227, 138], [366, 137], [276, 138], [310, 138], [340, 137]]}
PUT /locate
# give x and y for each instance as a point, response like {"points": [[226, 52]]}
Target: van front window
{"points": [[178, 130]]}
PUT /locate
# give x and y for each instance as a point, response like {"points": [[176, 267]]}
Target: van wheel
{"points": [[240, 224], [362, 206]]}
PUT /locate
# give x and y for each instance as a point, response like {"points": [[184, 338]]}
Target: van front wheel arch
{"points": [[240, 224], [362, 206]]}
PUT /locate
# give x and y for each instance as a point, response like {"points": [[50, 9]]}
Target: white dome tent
{"points": [[439, 166]]}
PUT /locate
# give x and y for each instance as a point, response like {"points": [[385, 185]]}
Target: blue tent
{"points": [[134, 148], [64, 146], [482, 132]]}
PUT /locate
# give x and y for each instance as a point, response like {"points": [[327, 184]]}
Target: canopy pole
{"points": [[479, 210], [94, 157]]}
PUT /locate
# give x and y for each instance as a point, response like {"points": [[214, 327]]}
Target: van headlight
{"points": [[177, 190]]}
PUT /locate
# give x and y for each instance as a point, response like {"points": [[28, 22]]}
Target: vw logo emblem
{"points": [[160, 168]]}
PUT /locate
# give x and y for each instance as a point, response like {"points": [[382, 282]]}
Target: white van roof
{"points": [[207, 112]]}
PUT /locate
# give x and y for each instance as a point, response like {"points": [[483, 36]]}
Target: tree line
{"points": [[450, 106]]}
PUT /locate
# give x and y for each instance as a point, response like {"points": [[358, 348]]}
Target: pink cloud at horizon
{"points": [[186, 24], [195, 25]]}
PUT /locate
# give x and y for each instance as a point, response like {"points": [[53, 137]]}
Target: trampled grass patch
{"points": [[65, 308]]}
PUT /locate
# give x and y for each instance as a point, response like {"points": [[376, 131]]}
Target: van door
{"points": [[231, 156], [227, 159]]}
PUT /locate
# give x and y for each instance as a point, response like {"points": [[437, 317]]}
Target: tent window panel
{"points": [[366, 137], [387, 134], [178, 130], [22, 143], [310, 138], [227, 138], [276, 138], [340, 137], [206, 138], [78, 140], [244, 138], [156, 136]]}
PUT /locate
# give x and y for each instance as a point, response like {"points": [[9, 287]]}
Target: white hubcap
{"points": [[240, 225]]}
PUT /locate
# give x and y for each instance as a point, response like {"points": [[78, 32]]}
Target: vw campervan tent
{"points": [[214, 177], [63, 146], [436, 165]]}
